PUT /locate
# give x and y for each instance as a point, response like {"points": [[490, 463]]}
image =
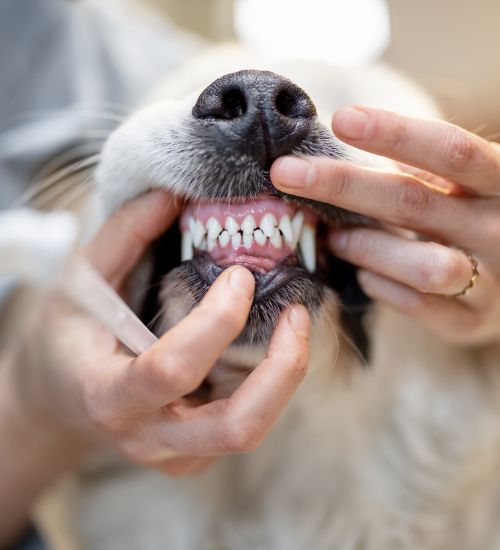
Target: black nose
{"points": [[255, 113]]}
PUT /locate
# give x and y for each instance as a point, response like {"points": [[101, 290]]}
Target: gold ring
{"points": [[474, 275]]}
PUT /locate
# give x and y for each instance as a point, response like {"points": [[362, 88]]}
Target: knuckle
{"points": [[226, 316], [461, 152], [412, 202], [133, 450], [240, 436], [397, 136], [172, 372], [341, 175], [298, 365], [441, 271]]}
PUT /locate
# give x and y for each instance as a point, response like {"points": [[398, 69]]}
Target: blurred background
{"points": [[451, 47]]}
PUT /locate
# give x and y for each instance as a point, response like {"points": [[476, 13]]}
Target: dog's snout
{"points": [[256, 113]]}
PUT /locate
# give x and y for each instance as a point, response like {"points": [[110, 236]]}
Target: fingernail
{"points": [[293, 172], [242, 281], [338, 240], [299, 320], [351, 122]]}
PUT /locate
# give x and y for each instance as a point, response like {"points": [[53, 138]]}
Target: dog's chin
{"points": [[275, 290]]}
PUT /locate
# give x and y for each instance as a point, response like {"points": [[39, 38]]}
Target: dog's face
{"points": [[215, 150]]}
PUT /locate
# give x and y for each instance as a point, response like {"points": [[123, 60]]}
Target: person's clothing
{"points": [[68, 70]]}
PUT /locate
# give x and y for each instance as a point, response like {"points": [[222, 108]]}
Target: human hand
{"points": [[447, 191], [73, 378]]}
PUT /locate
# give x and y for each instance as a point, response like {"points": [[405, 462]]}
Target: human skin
{"points": [[67, 385], [445, 189]]}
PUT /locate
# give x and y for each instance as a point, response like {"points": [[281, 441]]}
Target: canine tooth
{"points": [[214, 228], [198, 233], [259, 237], [276, 239], [231, 225], [307, 245], [247, 240], [236, 240], [224, 239], [285, 227], [297, 222], [191, 224], [248, 225], [186, 246], [268, 224]]}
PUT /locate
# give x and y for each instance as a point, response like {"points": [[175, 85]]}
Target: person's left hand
{"points": [[447, 191]]}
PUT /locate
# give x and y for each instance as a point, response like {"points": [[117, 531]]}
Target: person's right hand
{"points": [[73, 377]]}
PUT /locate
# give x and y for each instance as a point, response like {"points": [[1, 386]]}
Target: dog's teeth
{"points": [[297, 223], [268, 224], [236, 240], [211, 244], [276, 239], [214, 228], [203, 244], [285, 227], [248, 225], [247, 240], [191, 224], [259, 237], [232, 226], [224, 239], [186, 246], [307, 245], [198, 233]]}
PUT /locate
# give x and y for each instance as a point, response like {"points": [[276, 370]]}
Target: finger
{"points": [[396, 198], [240, 423], [445, 317], [424, 266], [435, 146], [122, 240], [180, 360]]}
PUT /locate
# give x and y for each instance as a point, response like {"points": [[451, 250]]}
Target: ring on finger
{"points": [[474, 274]]}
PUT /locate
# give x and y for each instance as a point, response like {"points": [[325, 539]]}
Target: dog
{"points": [[393, 439]]}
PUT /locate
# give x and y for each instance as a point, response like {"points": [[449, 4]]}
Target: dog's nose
{"points": [[256, 113]]}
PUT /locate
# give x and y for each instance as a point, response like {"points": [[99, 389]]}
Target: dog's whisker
{"points": [[43, 186]]}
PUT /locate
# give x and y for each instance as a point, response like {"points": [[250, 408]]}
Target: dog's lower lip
{"points": [[266, 283]]}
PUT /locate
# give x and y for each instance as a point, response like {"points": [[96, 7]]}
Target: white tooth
{"points": [[285, 227], [198, 233], [248, 225], [231, 225], [214, 228], [186, 246], [276, 239], [191, 224], [307, 245], [211, 244], [259, 237], [297, 222], [224, 239], [247, 240], [236, 240], [268, 224], [203, 244]]}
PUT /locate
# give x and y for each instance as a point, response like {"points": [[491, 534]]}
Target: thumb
{"points": [[122, 240]]}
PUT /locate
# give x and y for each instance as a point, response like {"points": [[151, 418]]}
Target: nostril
{"points": [[221, 104], [234, 104], [294, 104]]}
